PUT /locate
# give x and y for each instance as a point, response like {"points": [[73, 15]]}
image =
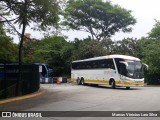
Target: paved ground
{"points": [[70, 97]]}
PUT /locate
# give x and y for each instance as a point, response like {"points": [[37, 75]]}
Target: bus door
{"points": [[122, 71]]}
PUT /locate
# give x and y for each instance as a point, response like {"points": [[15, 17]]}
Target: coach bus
{"points": [[113, 70], [46, 73]]}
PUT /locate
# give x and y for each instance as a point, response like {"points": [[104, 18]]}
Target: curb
{"points": [[152, 86], [40, 92]]}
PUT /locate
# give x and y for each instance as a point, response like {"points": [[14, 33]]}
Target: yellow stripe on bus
{"points": [[97, 81], [129, 83]]}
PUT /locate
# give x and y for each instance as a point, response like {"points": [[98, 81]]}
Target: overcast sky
{"points": [[145, 11]]}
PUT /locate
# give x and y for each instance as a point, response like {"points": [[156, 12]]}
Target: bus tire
{"points": [[82, 82], [113, 85], [78, 81], [95, 85], [127, 88]]}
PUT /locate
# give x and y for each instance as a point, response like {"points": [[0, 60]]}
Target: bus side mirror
{"points": [[124, 63], [145, 66]]}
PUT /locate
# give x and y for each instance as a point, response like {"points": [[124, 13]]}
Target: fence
{"points": [[9, 74]]}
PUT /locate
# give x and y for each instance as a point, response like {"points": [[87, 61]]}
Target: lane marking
{"points": [[22, 97]]}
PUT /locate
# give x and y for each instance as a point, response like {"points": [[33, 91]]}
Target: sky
{"points": [[144, 11]]}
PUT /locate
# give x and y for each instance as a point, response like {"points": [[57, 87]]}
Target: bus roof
{"points": [[110, 56]]}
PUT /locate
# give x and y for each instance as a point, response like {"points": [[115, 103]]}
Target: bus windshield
{"points": [[134, 69]]}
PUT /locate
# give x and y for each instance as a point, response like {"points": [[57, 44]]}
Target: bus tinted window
{"points": [[110, 64], [95, 64], [117, 60]]}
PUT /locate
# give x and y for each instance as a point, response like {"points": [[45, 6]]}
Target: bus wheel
{"points": [[78, 81], [82, 81], [127, 88], [113, 85]]}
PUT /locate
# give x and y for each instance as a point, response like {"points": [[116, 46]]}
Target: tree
{"points": [[149, 53], [28, 51], [26, 12], [151, 56], [87, 48], [40, 12], [151, 49], [108, 44], [8, 50], [155, 32], [54, 54], [127, 46], [100, 19], [54, 51]]}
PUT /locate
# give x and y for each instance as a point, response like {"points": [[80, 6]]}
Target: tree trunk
{"points": [[20, 61]]}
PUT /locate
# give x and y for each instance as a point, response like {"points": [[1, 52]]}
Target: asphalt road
{"points": [[70, 97]]}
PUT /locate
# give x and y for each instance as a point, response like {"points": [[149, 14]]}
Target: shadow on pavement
{"points": [[117, 88]]}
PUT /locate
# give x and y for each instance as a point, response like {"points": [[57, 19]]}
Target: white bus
{"points": [[112, 70]]}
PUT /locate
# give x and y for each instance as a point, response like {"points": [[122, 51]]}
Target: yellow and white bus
{"points": [[112, 70]]}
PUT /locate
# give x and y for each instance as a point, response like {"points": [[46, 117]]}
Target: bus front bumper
{"points": [[130, 83]]}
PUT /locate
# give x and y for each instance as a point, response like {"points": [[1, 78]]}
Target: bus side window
{"points": [[94, 64], [103, 64], [79, 66], [88, 65], [109, 64], [91, 64]]}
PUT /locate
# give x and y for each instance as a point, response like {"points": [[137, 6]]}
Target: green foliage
{"points": [[108, 45], [41, 13], [28, 51], [87, 48], [2, 31], [149, 53], [127, 46], [55, 51], [155, 32], [55, 55], [8, 50], [100, 19], [91, 49], [152, 57], [59, 53]]}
